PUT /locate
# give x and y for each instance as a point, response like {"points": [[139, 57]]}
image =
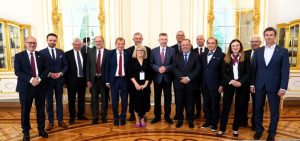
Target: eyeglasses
{"points": [[31, 42]]}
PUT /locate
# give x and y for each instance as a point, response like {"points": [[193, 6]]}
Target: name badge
{"points": [[142, 75]]}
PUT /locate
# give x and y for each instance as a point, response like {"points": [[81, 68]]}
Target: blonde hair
{"points": [[139, 47]]}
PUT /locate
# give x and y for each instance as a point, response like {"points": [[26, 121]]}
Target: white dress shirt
{"points": [[50, 51], [269, 53], [199, 48], [81, 61], [210, 56], [161, 48], [118, 57]]}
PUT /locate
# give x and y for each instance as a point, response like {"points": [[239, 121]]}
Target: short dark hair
{"points": [[163, 34], [120, 39], [270, 29], [86, 39], [51, 34]]}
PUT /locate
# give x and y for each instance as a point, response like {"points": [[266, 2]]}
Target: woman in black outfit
{"points": [[139, 74], [236, 71]]}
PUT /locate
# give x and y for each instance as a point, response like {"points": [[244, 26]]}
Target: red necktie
{"points": [[162, 55], [98, 68], [235, 59], [120, 64], [32, 65]]}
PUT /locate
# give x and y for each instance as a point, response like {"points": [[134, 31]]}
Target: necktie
{"points": [[235, 59], [179, 48], [53, 56], [120, 64], [201, 50], [185, 59], [79, 65], [162, 55], [98, 68], [32, 65], [210, 53]]}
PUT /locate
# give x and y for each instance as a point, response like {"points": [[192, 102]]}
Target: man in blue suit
{"points": [[116, 79], [31, 70], [57, 68], [270, 76], [161, 62]]}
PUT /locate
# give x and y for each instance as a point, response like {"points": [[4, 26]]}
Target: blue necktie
{"points": [[185, 59], [53, 55], [210, 53]]}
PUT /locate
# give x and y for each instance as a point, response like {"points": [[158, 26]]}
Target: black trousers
{"points": [[158, 88], [184, 99], [211, 105], [98, 89], [240, 96], [78, 89], [197, 101], [26, 99]]}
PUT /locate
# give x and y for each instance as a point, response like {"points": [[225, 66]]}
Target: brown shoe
{"points": [[50, 127], [62, 124]]}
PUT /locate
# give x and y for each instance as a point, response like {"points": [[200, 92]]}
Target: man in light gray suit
{"points": [[95, 79]]}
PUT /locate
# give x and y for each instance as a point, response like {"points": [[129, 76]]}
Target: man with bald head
{"points": [[255, 42], [31, 85], [95, 72], [76, 81]]}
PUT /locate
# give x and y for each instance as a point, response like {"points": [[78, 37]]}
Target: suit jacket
{"points": [[191, 70], [71, 74], [155, 62], [130, 51], [111, 65], [176, 49], [92, 63], [197, 51], [85, 49], [23, 70], [212, 71], [273, 76], [243, 71], [58, 65], [200, 73]]}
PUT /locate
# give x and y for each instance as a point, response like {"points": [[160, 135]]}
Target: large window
{"points": [[80, 19]]}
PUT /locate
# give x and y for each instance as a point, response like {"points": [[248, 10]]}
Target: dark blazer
{"points": [[273, 76], [111, 65], [85, 49], [243, 70], [191, 70], [155, 62], [130, 51], [58, 65], [23, 70], [92, 62], [197, 51], [212, 71], [175, 47], [71, 74]]}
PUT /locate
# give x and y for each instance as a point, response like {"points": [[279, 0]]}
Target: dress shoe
{"points": [[253, 127], [71, 121], [271, 138], [63, 125], [155, 120], [179, 124], [43, 133], [137, 125], [122, 122], [50, 126], [116, 123], [82, 118], [220, 134], [94, 122], [191, 125], [244, 124], [169, 120], [104, 120], [257, 135], [214, 128], [26, 136], [131, 118], [235, 133], [143, 125], [176, 117], [206, 125], [197, 116]]}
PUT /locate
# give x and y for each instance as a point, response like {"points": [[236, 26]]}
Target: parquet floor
{"points": [[288, 129]]}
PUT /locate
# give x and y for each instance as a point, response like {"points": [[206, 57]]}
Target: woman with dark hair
{"points": [[236, 72]]}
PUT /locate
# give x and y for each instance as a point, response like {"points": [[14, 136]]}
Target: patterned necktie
{"points": [[32, 65], [120, 64], [98, 68], [79, 65], [210, 53], [235, 59], [162, 55]]}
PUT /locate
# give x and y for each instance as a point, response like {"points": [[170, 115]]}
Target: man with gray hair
{"points": [[75, 80], [255, 42]]}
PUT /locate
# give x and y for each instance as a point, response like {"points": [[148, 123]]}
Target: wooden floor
{"points": [[288, 129]]}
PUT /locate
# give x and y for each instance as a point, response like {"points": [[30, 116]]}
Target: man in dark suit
{"points": [[186, 67], [179, 37], [211, 64], [197, 95], [86, 45], [161, 62], [57, 68], [95, 75], [31, 70], [270, 77], [137, 39], [116, 73], [76, 81], [255, 43]]}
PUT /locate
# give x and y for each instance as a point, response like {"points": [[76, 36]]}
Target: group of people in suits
{"points": [[200, 72]]}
